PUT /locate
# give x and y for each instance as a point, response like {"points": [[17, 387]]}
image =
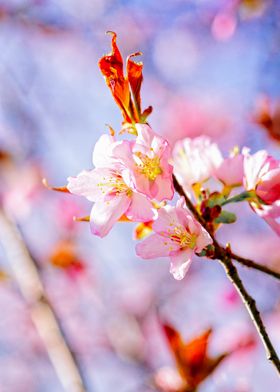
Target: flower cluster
{"points": [[132, 179], [198, 160]]}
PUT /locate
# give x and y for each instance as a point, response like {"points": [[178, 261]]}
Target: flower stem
{"points": [[246, 195], [224, 256]]}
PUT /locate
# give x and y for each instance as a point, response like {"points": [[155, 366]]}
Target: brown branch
{"points": [[41, 311], [224, 257], [241, 260], [252, 309], [252, 264]]}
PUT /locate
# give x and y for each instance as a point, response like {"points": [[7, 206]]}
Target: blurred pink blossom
{"points": [[262, 174], [224, 26], [168, 379], [195, 160]]}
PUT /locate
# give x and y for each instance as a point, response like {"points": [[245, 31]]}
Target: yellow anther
{"points": [[150, 167]]}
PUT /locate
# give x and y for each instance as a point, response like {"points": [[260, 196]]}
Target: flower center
{"points": [[150, 167], [183, 237], [114, 185]]}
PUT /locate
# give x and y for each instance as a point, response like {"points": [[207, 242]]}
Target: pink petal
{"points": [[180, 263], [154, 246], [185, 218], [102, 151], [269, 188], [145, 186], [140, 208], [122, 151], [145, 134], [167, 219], [231, 171], [165, 188], [273, 224], [105, 214], [195, 160], [203, 240], [86, 183], [253, 168]]}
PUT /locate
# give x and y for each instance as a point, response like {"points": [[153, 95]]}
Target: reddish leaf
{"points": [[194, 352], [5, 157], [64, 256], [125, 87], [192, 360], [146, 113], [111, 66], [268, 117], [135, 78]]}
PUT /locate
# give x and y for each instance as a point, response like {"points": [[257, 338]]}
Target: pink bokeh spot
{"points": [[223, 26]]}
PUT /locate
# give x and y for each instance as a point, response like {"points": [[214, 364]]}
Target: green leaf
{"points": [[215, 199], [226, 217]]}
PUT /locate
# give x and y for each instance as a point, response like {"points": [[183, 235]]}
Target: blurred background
{"points": [[210, 67]]}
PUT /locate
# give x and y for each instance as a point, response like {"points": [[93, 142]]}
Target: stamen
{"points": [[114, 185], [181, 236], [150, 167]]}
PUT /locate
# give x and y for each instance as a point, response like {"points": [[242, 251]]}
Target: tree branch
{"points": [[224, 257], [252, 309]]}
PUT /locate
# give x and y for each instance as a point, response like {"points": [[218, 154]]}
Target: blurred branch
{"points": [[42, 314], [241, 260], [224, 256]]}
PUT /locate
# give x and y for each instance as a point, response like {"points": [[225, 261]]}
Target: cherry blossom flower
{"points": [[177, 235], [195, 160], [147, 162], [107, 187], [262, 174]]}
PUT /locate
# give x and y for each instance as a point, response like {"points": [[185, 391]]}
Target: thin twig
{"points": [[241, 260], [224, 257], [41, 311], [252, 309], [252, 264]]}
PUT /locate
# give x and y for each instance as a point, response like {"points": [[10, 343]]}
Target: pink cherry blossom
{"points": [[147, 163], [195, 160], [107, 188], [177, 235], [230, 172], [262, 174]]}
